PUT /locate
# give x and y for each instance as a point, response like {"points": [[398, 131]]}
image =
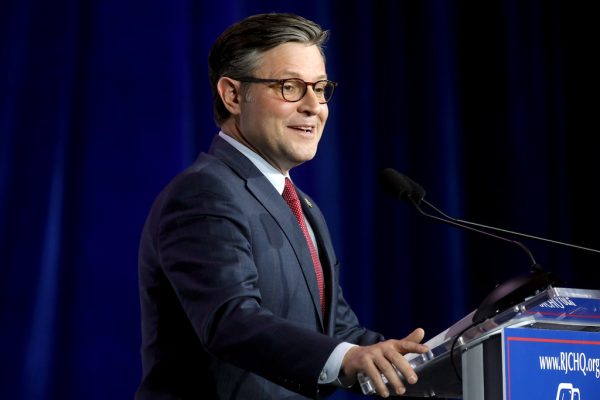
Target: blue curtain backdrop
{"points": [[491, 105]]}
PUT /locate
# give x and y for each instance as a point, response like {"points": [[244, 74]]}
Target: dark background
{"points": [[491, 105]]}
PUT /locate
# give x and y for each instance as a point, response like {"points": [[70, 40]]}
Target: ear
{"points": [[229, 91]]}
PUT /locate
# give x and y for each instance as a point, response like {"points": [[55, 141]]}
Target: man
{"points": [[238, 278]]}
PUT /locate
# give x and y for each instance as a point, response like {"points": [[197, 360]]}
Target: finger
{"points": [[390, 371], [404, 367], [412, 342], [372, 372], [416, 336], [407, 346]]}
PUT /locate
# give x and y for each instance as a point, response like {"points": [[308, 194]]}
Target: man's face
{"points": [[285, 134]]}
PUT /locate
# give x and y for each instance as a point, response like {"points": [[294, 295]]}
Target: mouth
{"points": [[306, 129]]}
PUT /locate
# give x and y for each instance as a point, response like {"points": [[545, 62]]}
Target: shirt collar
{"points": [[274, 176]]}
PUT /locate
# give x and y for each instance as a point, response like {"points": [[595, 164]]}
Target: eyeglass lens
{"points": [[295, 89]]}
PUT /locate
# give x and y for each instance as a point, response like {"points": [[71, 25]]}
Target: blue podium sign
{"points": [[544, 364], [574, 310]]}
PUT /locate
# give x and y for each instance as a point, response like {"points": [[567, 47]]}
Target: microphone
{"points": [[405, 188], [504, 295]]}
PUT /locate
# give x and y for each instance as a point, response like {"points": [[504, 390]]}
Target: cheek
{"points": [[277, 114], [323, 121], [324, 114]]}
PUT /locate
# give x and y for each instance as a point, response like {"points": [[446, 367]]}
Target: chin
{"points": [[307, 158]]}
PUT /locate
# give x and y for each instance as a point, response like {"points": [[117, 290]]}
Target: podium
{"points": [[547, 347]]}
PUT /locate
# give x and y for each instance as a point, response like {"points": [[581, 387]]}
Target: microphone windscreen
{"points": [[401, 186]]}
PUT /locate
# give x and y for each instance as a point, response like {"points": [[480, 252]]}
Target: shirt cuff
{"points": [[331, 370]]}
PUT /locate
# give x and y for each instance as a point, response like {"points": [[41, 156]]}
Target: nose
{"points": [[309, 104]]}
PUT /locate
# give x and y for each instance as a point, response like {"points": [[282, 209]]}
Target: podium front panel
{"points": [[542, 364]]}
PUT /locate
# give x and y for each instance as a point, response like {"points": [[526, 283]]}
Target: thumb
{"points": [[416, 336]]}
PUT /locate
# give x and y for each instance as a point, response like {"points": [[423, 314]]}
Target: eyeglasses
{"points": [[294, 89]]}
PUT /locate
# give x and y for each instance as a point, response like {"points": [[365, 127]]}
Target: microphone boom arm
{"points": [[458, 223], [525, 235]]}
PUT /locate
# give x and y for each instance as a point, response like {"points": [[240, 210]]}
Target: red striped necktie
{"points": [[291, 198]]}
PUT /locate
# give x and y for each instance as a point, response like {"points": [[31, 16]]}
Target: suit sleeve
{"points": [[348, 328], [204, 245]]}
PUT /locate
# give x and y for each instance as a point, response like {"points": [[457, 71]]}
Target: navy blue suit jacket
{"points": [[229, 298]]}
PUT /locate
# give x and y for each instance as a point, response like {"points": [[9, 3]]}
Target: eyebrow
{"points": [[297, 75]]}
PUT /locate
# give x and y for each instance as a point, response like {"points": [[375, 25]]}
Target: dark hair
{"points": [[237, 52]]}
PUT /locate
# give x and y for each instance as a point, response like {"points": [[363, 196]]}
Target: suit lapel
{"points": [[325, 250], [274, 203], [280, 211], [318, 226]]}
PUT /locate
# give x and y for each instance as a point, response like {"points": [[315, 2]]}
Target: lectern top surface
{"points": [[574, 309]]}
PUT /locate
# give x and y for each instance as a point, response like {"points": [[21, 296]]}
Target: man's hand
{"points": [[381, 358]]}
